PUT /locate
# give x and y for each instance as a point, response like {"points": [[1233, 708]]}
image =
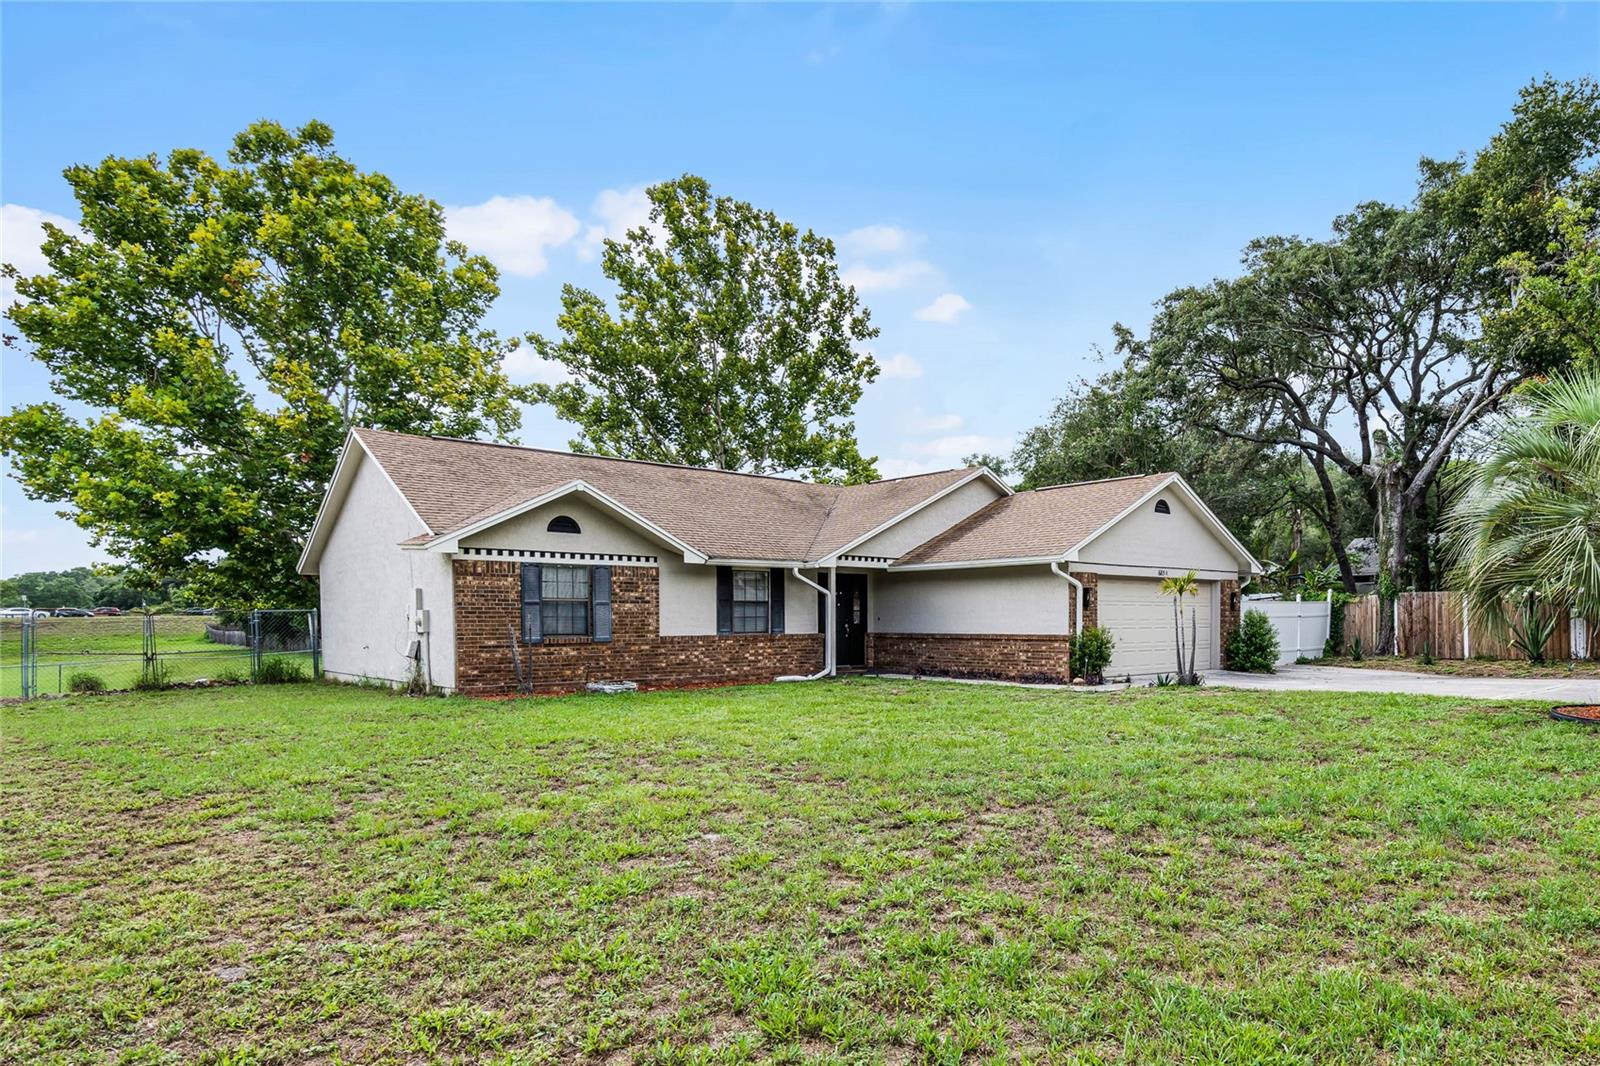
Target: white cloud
{"points": [[876, 240], [524, 364], [946, 308], [900, 366], [894, 276], [21, 234], [513, 231], [617, 212], [937, 423], [959, 444]]}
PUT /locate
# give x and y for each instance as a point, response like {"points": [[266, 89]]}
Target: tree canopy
{"points": [[733, 344], [1366, 358], [216, 331]]}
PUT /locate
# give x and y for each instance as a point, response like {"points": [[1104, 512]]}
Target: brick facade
{"points": [[488, 618], [1228, 618], [987, 656]]}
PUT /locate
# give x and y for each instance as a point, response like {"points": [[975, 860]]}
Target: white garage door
{"points": [[1140, 621]]}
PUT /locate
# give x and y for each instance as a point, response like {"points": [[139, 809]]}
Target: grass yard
{"points": [[1473, 667], [859, 870]]}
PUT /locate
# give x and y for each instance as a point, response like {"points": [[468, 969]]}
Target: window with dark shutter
{"points": [[564, 601], [751, 599], [600, 601], [724, 599], [776, 593], [532, 619]]}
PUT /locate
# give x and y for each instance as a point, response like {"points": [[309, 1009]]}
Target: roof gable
{"points": [[1051, 524]]}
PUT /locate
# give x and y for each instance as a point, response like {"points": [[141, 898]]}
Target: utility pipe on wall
{"points": [[1077, 614], [827, 630]]}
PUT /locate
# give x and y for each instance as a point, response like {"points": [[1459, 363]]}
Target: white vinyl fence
{"points": [[1302, 626]]}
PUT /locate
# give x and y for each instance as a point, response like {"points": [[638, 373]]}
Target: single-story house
{"points": [[486, 568]]}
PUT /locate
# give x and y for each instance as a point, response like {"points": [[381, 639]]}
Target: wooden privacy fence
{"points": [[1433, 621]]}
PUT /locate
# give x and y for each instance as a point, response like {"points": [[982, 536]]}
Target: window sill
{"points": [[567, 640]]}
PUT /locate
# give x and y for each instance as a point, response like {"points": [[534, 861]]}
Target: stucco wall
{"points": [[930, 521], [688, 591], [996, 600], [1174, 541], [368, 583]]}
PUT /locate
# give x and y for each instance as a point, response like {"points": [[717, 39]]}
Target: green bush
{"points": [[280, 670], [1091, 654], [83, 681], [1253, 647]]}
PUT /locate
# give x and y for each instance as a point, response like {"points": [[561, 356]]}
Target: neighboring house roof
{"points": [[455, 484], [1039, 524], [1363, 555]]}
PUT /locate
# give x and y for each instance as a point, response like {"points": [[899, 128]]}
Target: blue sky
{"points": [[1006, 181]]}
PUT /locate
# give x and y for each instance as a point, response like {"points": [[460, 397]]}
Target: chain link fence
{"points": [[46, 655]]}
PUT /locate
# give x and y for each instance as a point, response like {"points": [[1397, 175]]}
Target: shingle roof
{"points": [[726, 515], [1040, 523]]}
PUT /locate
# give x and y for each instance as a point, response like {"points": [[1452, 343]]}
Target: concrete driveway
{"points": [[1349, 679]]}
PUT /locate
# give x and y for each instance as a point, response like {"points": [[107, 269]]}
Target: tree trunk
{"points": [[1392, 532], [1177, 631], [1194, 644]]}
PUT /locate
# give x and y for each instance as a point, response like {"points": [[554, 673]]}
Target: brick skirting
{"points": [[488, 618], [973, 655]]}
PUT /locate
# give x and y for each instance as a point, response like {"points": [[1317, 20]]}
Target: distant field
{"points": [[113, 650]]}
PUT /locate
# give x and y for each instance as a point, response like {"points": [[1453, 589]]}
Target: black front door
{"points": [[851, 615]]}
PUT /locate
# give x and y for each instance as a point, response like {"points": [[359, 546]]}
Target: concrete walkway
{"points": [[1351, 679]]}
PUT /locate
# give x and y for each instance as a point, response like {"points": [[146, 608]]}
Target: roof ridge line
{"points": [[648, 462], [1099, 481]]}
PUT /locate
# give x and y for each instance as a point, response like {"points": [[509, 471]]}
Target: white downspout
{"points": [[827, 631], [1077, 614]]}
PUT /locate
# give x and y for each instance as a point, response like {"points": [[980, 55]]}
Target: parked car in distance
{"points": [[72, 612], [198, 610], [16, 612], [108, 611]]}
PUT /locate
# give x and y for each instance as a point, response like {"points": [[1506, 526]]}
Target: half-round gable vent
{"points": [[562, 524], [1162, 507]]}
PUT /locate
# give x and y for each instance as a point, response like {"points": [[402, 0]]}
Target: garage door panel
{"points": [[1140, 621]]}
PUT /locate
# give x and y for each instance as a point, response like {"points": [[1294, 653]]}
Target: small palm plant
{"points": [[1525, 527], [1179, 587]]}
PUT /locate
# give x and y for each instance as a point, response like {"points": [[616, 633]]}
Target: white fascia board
{"points": [[757, 564], [451, 542], [980, 472], [1206, 514], [1153, 572], [338, 488], [977, 564]]}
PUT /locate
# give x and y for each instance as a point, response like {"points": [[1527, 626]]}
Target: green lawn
{"points": [[859, 870]]}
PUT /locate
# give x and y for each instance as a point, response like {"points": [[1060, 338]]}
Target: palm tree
{"points": [[1525, 526], [1179, 587]]}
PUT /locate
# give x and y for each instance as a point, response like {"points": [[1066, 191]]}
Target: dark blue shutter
{"points": [[724, 599], [822, 604], [532, 623], [600, 601], [775, 605]]}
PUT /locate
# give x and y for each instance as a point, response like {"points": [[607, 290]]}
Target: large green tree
{"points": [[733, 344], [214, 333], [1372, 353]]}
